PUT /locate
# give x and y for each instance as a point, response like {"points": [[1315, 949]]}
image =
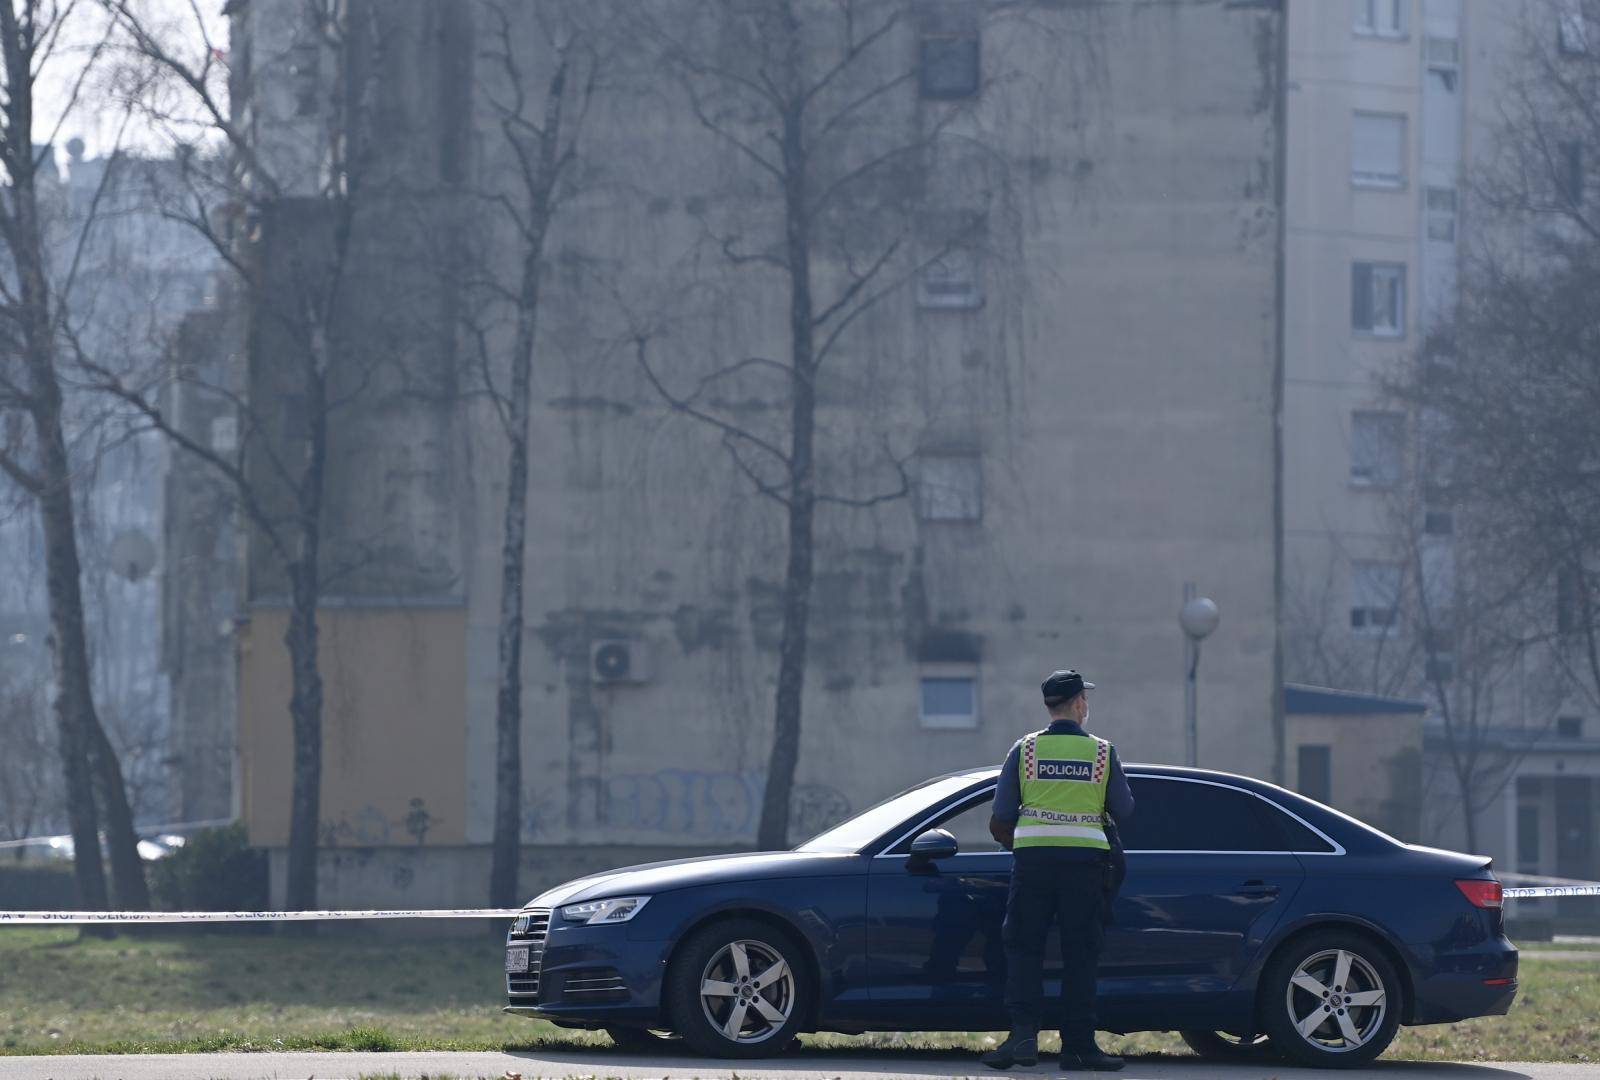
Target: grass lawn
{"points": [[186, 991]]}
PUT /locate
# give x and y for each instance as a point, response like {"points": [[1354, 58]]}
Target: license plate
{"points": [[516, 961]]}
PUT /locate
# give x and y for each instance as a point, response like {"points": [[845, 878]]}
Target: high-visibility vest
{"points": [[1063, 791]]}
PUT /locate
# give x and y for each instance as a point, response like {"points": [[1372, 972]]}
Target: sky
{"points": [[97, 118]]}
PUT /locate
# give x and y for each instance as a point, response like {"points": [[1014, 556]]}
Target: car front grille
{"points": [[523, 987]]}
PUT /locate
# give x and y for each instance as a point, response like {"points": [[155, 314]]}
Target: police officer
{"points": [[1054, 791]]}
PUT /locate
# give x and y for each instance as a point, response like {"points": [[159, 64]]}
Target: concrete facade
{"points": [[1098, 429], [1385, 115]]}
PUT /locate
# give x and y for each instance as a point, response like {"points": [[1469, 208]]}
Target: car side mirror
{"points": [[933, 845]]}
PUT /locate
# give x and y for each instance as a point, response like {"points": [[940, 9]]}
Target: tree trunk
{"points": [[773, 832], [305, 696], [305, 714], [507, 842], [513, 552], [1469, 819], [71, 701], [86, 753], [128, 886]]}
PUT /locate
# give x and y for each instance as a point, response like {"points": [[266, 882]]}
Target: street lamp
{"points": [[1198, 618]]}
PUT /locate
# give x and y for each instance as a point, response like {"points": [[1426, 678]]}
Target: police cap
{"points": [[1064, 686]]}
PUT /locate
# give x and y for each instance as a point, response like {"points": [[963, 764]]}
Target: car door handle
{"points": [[1256, 887]]}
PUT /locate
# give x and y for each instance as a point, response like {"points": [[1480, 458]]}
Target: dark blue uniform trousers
{"points": [[1054, 885]]}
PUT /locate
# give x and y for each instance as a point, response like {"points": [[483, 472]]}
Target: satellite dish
{"points": [[133, 554]]}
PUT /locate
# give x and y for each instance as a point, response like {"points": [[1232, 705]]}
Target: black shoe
{"points": [[1095, 1060], [1019, 1048]]}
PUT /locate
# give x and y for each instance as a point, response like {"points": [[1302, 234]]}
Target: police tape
{"points": [[42, 918], [1540, 892]]}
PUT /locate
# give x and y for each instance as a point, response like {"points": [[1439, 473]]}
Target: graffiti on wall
{"points": [[371, 827]]}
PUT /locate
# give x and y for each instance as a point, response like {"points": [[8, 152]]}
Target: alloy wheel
{"points": [[1336, 1001], [747, 991]]}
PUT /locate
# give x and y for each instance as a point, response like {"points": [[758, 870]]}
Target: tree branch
{"points": [[684, 406]]}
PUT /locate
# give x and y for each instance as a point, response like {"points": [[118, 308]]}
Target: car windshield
{"points": [[857, 832]]}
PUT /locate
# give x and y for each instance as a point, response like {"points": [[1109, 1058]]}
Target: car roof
{"points": [[1142, 768], [1189, 772]]}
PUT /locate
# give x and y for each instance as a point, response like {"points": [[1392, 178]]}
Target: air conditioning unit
{"points": [[618, 660]]}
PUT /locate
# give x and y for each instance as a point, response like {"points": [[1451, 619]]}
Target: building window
{"points": [[1438, 523], [1381, 18], [1441, 112], [949, 702], [951, 282], [1377, 448], [1442, 51], [225, 433], [1378, 298], [1440, 204], [950, 488], [1316, 772], [1572, 34], [948, 67], [1378, 150], [1569, 172], [1569, 727], [1374, 598]]}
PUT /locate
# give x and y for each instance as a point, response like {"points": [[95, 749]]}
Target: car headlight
{"points": [[594, 912]]}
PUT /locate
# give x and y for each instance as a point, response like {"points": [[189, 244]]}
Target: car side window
{"points": [[970, 827], [1295, 836], [1177, 815], [969, 824]]}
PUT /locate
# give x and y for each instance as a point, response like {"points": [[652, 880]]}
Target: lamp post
{"points": [[1198, 618]]}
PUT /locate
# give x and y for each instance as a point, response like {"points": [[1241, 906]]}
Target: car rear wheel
{"points": [[1226, 1046], [1332, 999], [737, 988]]}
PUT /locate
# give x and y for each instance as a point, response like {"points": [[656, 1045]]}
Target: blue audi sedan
{"points": [[1253, 921]]}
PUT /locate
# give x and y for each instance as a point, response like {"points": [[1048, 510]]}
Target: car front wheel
{"points": [[1332, 999], [736, 989], [638, 1040], [1226, 1046]]}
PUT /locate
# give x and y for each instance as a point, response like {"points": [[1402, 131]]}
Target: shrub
{"points": [[38, 887], [216, 870]]}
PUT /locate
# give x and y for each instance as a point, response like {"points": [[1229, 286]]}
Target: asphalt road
{"points": [[854, 1065]]}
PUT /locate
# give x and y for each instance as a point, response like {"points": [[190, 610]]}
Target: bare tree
{"points": [[831, 204], [1512, 382], [1482, 672], [284, 218], [538, 86], [1453, 631], [34, 449], [1320, 645]]}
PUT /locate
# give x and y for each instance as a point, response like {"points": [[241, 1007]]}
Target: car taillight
{"points": [[1480, 893]]}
